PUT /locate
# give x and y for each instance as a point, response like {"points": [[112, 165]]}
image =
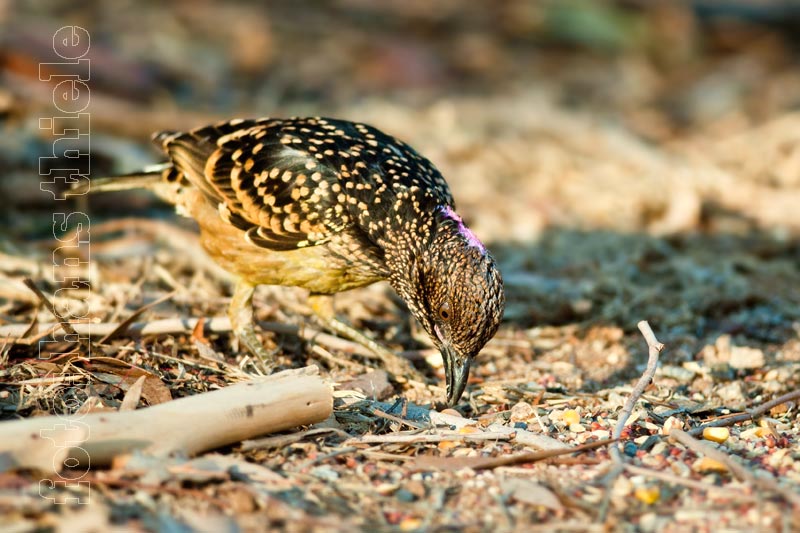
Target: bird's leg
{"points": [[240, 312], [322, 305]]}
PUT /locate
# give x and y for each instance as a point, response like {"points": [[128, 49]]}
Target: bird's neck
{"points": [[440, 224], [447, 214], [410, 254]]}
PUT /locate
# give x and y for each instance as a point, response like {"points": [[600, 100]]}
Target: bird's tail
{"points": [[147, 178]]}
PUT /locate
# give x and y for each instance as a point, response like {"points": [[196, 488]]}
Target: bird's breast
{"points": [[341, 264]]}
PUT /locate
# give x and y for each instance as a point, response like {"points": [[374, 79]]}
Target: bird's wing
{"points": [[261, 180]]}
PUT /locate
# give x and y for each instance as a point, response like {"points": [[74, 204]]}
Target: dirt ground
{"points": [[623, 161]]}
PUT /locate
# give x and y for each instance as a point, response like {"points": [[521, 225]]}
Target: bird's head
{"points": [[456, 292]]}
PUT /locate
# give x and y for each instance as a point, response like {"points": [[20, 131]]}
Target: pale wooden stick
{"points": [[189, 425], [45, 451]]}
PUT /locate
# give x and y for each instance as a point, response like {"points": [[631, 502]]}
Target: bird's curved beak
{"points": [[456, 369]]}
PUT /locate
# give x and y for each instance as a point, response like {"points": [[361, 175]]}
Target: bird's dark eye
{"points": [[444, 311]]}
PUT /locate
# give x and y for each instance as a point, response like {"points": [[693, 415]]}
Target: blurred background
{"points": [[624, 159]]}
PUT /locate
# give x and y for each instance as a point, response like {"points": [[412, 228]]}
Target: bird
{"points": [[330, 205]]}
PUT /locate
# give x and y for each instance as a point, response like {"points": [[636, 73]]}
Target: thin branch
{"points": [[394, 438], [123, 326], [654, 348], [65, 324], [479, 463], [750, 414], [397, 419], [328, 357], [42, 298], [384, 456], [607, 480], [187, 362], [281, 441], [323, 458]]}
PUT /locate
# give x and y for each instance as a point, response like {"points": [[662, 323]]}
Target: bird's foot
{"points": [[401, 368], [248, 338], [241, 316]]}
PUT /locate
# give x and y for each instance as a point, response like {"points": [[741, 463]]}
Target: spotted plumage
{"points": [[330, 205]]}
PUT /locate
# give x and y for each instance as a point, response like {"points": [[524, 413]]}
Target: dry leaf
{"points": [[124, 375], [134, 394]]}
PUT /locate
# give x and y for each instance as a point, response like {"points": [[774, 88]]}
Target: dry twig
{"points": [[479, 463], [654, 348], [65, 324], [280, 441], [122, 327], [395, 438], [397, 419], [750, 414]]}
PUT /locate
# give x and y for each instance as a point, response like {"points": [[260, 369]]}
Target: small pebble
{"points": [[648, 495], [325, 473], [716, 434], [410, 524], [385, 489], [746, 358], [405, 496], [706, 464], [520, 425], [570, 417], [521, 412], [416, 488], [649, 442], [670, 424], [659, 448], [630, 449], [753, 433], [678, 373]]}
